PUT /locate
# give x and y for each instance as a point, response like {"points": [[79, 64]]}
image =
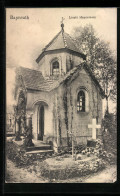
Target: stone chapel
{"points": [[62, 96]]}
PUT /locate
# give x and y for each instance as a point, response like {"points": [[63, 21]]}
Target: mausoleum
{"points": [[60, 97]]}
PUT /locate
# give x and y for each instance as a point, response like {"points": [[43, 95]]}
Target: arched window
{"points": [[81, 101], [55, 68]]}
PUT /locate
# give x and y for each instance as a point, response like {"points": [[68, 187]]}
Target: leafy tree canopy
{"points": [[100, 58]]}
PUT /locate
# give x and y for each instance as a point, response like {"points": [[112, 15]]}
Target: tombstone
{"points": [[91, 143]]}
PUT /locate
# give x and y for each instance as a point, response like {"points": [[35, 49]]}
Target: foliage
{"points": [[65, 150], [65, 107], [65, 100], [16, 154], [109, 125], [58, 117], [79, 148], [105, 155], [100, 152], [110, 122], [19, 112], [75, 170], [100, 58], [19, 156]]}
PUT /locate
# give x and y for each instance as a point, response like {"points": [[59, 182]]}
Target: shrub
{"points": [[100, 152], [109, 123], [68, 150], [19, 157], [79, 148], [64, 150]]}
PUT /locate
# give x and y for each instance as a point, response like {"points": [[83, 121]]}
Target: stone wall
{"points": [[78, 121]]}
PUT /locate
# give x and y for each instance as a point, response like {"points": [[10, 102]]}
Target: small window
{"points": [[55, 68], [81, 101]]}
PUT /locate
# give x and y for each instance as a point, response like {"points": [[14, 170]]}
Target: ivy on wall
{"points": [[55, 114], [59, 118], [65, 105], [94, 105], [20, 112], [65, 100]]}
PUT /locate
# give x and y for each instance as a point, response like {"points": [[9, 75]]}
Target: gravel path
{"points": [[22, 175], [108, 175]]}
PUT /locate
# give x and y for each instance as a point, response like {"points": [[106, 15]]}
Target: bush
{"points": [[105, 155], [19, 157], [64, 150], [100, 152], [79, 148], [68, 150], [109, 123], [16, 154]]}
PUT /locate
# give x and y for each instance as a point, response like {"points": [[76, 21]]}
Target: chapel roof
{"points": [[34, 80], [60, 42]]}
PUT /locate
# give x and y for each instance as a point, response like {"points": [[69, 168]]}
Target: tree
{"points": [[109, 124], [100, 58]]}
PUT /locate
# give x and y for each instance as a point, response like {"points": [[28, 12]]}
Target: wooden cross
{"points": [[62, 20], [94, 126]]}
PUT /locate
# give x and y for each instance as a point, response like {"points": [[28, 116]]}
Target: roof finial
{"points": [[62, 25]]}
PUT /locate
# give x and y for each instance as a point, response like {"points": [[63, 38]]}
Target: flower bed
{"points": [[100, 152], [64, 168]]}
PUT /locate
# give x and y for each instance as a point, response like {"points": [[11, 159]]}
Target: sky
{"points": [[25, 38]]}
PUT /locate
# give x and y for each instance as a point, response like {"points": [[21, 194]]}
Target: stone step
{"points": [[39, 151], [10, 134], [40, 147]]}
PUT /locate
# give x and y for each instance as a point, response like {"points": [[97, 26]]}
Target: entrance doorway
{"points": [[41, 123]]}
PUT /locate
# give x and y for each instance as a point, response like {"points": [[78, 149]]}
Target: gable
{"points": [[79, 76], [85, 70], [81, 80]]}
